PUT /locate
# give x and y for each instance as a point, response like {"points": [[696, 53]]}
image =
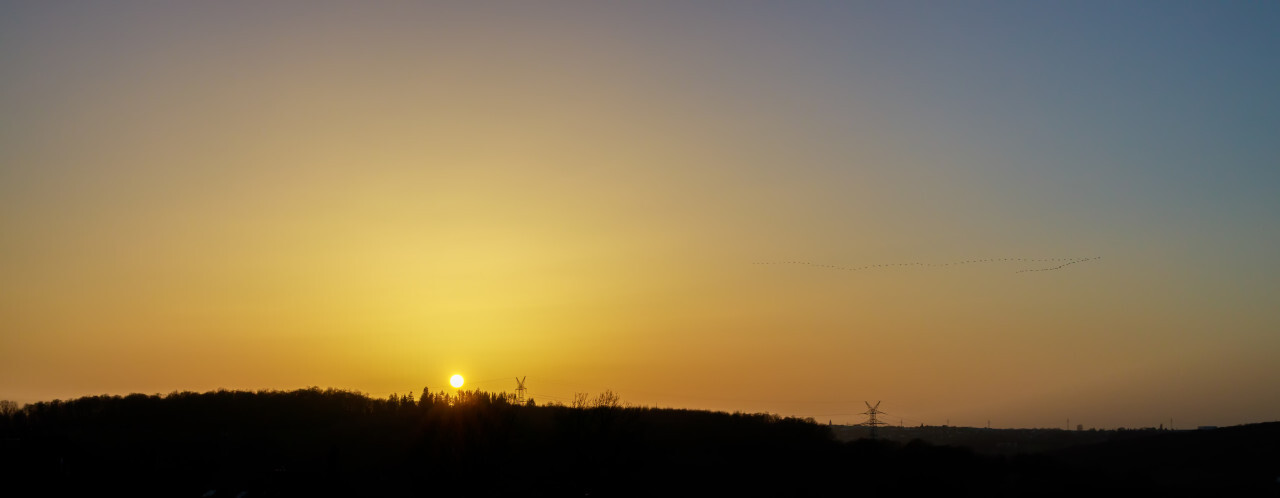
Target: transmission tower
{"points": [[520, 389], [872, 421]]}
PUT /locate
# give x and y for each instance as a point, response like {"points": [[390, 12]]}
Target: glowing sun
{"points": [[455, 381]]}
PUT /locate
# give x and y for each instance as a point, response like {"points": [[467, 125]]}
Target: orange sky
{"points": [[376, 197]]}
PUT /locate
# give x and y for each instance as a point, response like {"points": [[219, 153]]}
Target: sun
{"points": [[455, 381]]}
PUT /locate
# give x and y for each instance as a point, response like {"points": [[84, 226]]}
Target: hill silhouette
{"points": [[314, 442]]}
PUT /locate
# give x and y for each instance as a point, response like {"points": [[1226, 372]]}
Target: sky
{"points": [[377, 195]]}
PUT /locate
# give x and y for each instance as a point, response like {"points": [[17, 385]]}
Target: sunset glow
{"points": [[370, 195]]}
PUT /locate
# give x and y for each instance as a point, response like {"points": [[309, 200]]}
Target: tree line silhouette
{"points": [[314, 442]]}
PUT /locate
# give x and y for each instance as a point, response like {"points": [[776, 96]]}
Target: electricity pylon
{"points": [[872, 421], [520, 391]]}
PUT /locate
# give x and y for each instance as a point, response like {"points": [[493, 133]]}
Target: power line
{"points": [[1061, 265], [919, 264]]}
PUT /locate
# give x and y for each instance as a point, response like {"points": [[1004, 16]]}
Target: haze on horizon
{"points": [[377, 195]]}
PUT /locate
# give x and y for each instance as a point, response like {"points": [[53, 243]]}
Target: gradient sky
{"points": [[376, 195]]}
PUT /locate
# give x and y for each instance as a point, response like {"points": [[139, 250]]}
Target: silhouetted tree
{"points": [[608, 399], [425, 401]]}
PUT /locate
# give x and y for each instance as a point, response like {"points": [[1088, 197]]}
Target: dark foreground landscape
{"points": [[316, 442]]}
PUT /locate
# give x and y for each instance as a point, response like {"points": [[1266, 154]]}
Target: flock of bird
{"points": [[1064, 263]]}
